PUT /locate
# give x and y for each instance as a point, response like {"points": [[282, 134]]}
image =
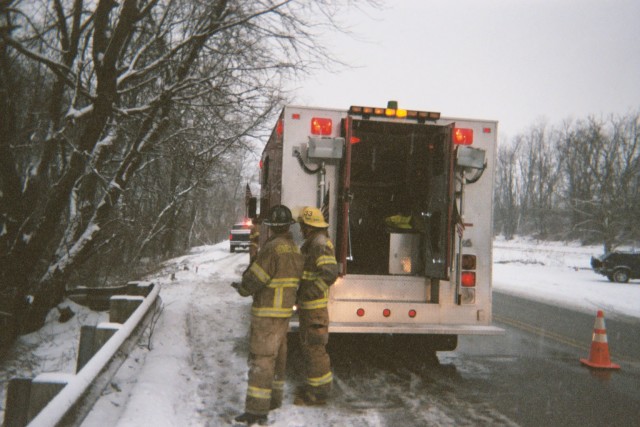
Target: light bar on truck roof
{"points": [[398, 113]]}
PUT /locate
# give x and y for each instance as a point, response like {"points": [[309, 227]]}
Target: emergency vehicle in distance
{"points": [[408, 196], [239, 236]]}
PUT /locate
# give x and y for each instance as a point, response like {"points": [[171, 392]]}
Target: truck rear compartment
{"points": [[394, 196], [398, 214]]}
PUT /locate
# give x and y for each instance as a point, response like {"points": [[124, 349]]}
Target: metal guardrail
{"points": [[98, 299], [63, 399]]}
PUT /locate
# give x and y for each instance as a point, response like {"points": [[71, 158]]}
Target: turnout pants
{"points": [[314, 337], [267, 364]]}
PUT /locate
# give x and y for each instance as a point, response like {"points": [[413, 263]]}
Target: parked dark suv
{"points": [[618, 266]]}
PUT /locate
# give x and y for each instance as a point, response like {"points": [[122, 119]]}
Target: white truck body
{"points": [[370, 167]]}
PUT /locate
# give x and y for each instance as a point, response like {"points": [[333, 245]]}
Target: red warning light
{"points": [[463, 136], [321, 126], [468, 279]]}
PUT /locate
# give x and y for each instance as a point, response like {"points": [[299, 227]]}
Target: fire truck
{"points": [[408, 196]]}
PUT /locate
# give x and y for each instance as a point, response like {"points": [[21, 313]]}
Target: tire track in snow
{"points": [[404, 386]]}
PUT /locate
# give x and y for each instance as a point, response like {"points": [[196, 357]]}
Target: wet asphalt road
{"points": [[531, 376], [535, 376]]}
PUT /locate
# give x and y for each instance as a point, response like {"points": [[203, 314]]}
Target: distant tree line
{"points": [[124, 130], [576, 181]]}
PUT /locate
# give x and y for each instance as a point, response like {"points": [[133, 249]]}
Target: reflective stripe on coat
{"points": [[320, 271], [273, 278]]}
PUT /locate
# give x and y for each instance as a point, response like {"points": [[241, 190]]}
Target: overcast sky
{"points": [[515, 61]]}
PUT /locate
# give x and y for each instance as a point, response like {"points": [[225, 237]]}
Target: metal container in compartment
{"points": [[404, 253]]}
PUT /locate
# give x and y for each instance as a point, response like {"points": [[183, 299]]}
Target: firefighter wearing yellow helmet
{"points": [[313, 218], [320, 272]]}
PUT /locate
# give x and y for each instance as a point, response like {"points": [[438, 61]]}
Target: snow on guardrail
{"points": [[77, 393]]}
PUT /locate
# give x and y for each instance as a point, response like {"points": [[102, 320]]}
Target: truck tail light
{"points": [[467, 296], [463, 136], [468, 279], [230, 236], [468, 262], [321, 126]]}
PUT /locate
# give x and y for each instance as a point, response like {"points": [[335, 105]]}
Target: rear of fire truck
{"points": [[408, 196]]}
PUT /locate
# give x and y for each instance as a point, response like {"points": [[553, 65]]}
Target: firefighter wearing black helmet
{"points": [[320, 272], [272, 280]]}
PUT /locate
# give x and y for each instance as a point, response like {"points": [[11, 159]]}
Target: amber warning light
{"points": [[392, 111]]}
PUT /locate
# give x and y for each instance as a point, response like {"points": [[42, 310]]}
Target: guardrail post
{"points": [[85, 348], [27, 401], [104, 331], [122, 306], [139, 288], [92, 338], [17, 402], [44, 387]]}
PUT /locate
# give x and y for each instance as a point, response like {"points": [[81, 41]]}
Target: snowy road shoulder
{"points": [[560, 274]]}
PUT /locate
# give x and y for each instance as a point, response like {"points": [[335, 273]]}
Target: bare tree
{"points": [[138, 108], [577, 181], [546, 221], [505, 196], [615, 167]]}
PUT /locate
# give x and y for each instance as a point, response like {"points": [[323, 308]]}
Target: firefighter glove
{"points": [[237, 286]]}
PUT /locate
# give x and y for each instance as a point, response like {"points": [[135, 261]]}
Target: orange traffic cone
{"points": [[599, 354]]}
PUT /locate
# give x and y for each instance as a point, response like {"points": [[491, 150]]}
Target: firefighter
{"points": [[272, 280], [320, 272]]}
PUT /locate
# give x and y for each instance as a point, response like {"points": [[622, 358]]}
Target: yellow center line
{"points": [[558, 337]]}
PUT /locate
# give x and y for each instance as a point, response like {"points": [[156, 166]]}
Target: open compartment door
{"points": [[343, 233], [438, 209], [396, 199]]}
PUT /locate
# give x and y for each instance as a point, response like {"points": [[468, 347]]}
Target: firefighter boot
{"points": [[251, 419], [275, 404], [277, 394], [305, 397]]}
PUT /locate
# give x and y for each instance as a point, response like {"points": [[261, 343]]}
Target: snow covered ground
{"points": [[189, 371], [560, 273]]}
